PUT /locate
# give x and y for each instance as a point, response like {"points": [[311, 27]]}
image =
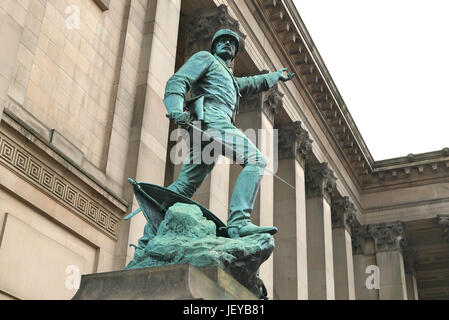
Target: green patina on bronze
{"points": [[183, 236], [207, 75], [186, 236]]}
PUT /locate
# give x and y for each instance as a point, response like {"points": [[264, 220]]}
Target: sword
{"points": [[224, 144]]}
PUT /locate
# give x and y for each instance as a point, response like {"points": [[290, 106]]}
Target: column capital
{"points": [[388, 236], [443, 220], [202, 26], [294, 143], [269, 102], [358, 236], [272, 102], [343, 213], [320, 181]]}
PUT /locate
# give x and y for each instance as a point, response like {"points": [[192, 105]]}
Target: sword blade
{"points": [[236, 152], [129, 216]]}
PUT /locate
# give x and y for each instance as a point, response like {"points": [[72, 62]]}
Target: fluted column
{"points": [[364, 258], [409, 268], [443, 221], [139, 128], [389, 240], [256, 119], [198, 31], [320, 184], [290, 256], [343, 216]]}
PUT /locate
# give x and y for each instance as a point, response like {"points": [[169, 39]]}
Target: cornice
{"points": [[19, 156], [425, 168], [286, 24], [311, 71]]}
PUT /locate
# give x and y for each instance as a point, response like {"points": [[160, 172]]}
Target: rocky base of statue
{"points": [[185, 236]]}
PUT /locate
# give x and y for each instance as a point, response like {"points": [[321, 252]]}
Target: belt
{"points": [[214, 103]]}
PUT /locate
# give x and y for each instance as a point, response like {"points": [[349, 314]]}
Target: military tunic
{"points": [[208, 75]]}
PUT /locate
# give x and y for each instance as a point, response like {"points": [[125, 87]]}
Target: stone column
{"points": [[443, 220], [364, 256], [198, 31], [410, 266], [343, 216], [389, 240], [290, 256], [256, 119], [138, 137], [320, 183]]}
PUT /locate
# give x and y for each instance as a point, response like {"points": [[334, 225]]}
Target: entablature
{"points": [[330, 110]]}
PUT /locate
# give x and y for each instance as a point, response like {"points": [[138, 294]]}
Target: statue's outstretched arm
{"points": [[262, 82]]}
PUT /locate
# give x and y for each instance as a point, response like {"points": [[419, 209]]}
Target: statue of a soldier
{"points": [[210, 80]]}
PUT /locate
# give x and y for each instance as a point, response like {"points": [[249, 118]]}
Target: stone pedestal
{"points": [[163, 283]]}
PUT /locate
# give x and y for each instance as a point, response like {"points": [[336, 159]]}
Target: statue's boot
{"points": [[242, 203], [249, 229]]}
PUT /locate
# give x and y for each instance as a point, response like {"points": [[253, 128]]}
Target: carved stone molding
{"points": [[202, 26], [320, 181], [358, 236], [343, 213], [272, 102], [29, 167], [268, 102], [290, 35], [412, 168], [410, 257], [444, 222], [308, 66], [388, 236], [294, 142]]}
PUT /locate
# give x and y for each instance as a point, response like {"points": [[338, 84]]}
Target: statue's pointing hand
{"points": [[285, 77]]}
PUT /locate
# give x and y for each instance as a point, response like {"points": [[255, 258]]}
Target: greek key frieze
{"points": [[23, 163]]}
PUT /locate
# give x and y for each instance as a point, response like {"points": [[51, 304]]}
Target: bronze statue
{"points": [[215, 95]]}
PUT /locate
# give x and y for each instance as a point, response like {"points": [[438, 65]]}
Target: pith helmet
{"points": [[225, 32]]}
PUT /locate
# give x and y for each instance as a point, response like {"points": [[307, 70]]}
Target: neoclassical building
{"points": [[81, 88]]}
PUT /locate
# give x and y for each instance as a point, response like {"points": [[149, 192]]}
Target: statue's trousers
{"points": [[202, 157]]}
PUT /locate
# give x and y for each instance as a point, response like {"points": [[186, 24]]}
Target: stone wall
{"points": [[81, 111]]}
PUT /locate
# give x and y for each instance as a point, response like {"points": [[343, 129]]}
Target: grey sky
{"points": [[389, 60]]}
